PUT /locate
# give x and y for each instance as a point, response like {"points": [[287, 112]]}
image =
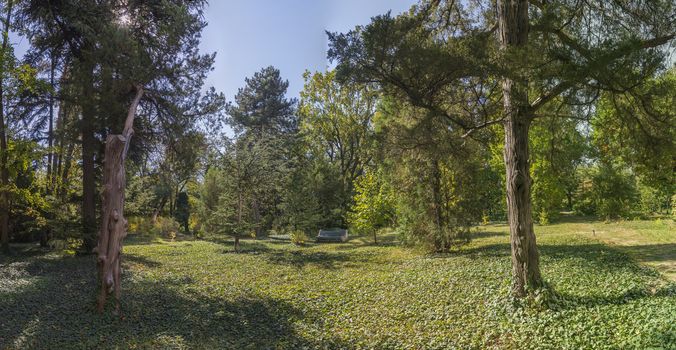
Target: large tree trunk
{"points": [[114, 225], [513, 32], [4, 171]]}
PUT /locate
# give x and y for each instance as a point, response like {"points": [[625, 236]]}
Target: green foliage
{"points": [[298, 237], [140, 196], [373, 204], [543, 217], [652, 200], [163, 227], [261, 106], [300, 208], [438, 181], [279, 296], [637, 127], [608, 191], [139, 225], [236, 197], [30, 209], [557, 149]]}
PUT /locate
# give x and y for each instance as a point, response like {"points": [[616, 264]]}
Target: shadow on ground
{"points": [[52, 306]]}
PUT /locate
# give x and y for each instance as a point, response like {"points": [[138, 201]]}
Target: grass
{"points": [[274, 295]]}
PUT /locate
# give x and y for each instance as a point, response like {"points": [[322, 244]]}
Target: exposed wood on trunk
{"points": [[114, 225], [513, 34]]}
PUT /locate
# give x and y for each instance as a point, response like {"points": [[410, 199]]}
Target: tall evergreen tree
{"points": [[261, 106], [262, 112]]}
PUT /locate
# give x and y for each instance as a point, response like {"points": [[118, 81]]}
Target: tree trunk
{"points": [[375, 238], [159, 208], [4, 171], [88, 171], [257, 218], [240, 204], [50, 135], [513, 32], [66, 161], [114, 225]]}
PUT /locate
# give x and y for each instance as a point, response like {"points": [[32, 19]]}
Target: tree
{"points": [[519, 56], [637, 127], [18, 84], [261, 111], [111, 46], [336, 124], [261, 106], [558, 149], [373, 205], [300, 207], [182, 212], [114, 225], [248, 167], [435, 179]]}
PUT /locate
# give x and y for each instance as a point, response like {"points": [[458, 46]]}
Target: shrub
{"points": [[543, 217], [140, 225], [298, 237], [485, 219], [166, 227]]}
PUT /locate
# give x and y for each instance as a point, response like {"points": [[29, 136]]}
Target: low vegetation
{"points": [[357, 295]]}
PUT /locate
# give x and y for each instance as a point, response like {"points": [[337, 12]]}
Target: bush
{"points": [[298, 237], [140, 225], [166, 227], [485, 219], [543, 217]]}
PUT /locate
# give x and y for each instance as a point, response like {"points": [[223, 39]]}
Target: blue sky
{"points": [[288, 34]]}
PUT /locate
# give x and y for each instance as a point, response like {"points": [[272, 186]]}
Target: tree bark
{"points": [[4, 171], [114, 225], [513, 33]]}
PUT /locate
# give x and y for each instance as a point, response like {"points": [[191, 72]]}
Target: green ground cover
{"points": [[199, 294]]}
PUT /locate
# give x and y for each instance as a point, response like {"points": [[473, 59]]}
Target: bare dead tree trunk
{"points": [[513, 33], [114, 225]]}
